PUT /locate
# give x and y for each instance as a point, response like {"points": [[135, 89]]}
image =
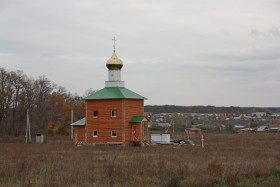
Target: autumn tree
{"points": [[49, 105]]}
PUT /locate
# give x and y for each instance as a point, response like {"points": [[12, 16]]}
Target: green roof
{"points": [[80, 122], [138, 119], [114, 93]]}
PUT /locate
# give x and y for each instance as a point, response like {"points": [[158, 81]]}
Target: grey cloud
{"points": [[256, 54], [176, 48], [272, 32]]}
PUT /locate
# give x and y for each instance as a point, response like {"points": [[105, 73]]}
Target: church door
{"points": [[133, 132]]}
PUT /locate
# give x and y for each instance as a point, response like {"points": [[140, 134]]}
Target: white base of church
{"points": [[114, 83]]}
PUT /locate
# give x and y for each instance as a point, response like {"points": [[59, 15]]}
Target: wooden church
{"points": [[114, 114]]}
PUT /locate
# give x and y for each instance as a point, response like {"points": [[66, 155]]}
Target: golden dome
{"points": [[114, 63]]}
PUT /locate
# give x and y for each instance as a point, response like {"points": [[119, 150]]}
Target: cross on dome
{"points": [[114, 63], [114, 39]]}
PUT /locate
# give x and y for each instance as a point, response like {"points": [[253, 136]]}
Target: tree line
{"points": [[49, 105], [208, 109]]}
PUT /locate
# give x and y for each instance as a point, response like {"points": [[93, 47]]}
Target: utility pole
{"points": [[27, 130], [72, 117]]}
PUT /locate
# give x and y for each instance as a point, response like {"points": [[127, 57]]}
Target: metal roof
{"points": [[80, 122], [262, 128], [138, 119], [114, 93]]}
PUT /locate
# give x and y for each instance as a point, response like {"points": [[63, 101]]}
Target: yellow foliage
{"points": [[52, 128], [223, 117]]}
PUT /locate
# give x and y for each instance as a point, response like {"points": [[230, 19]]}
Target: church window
{"points": [[95, 113], [113, 113], [95, 133], [114, 133]]}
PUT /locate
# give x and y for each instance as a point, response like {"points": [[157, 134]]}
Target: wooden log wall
{"points": [[133, 108], [79, 134], [104, 123]]}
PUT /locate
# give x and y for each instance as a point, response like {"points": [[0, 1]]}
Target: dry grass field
{"points": [[226, 160]]}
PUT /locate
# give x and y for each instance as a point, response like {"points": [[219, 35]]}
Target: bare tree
{"points": [[49, 105]]}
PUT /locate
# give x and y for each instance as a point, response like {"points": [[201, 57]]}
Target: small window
{"points": [[113, 113], [95, 113], [114, 133], [94, 133]]}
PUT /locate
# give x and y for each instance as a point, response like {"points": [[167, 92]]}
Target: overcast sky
{"points": [[181, 52]]}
